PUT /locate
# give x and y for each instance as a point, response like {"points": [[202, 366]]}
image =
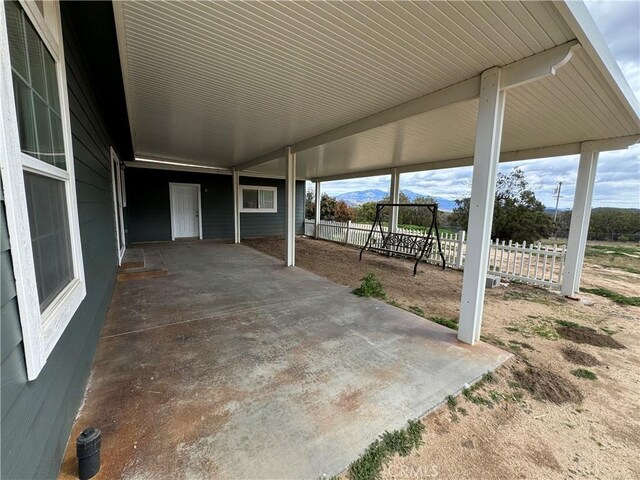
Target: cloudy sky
{"points": [[618, 175]]}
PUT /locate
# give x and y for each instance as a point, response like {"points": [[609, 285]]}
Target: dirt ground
{"points": [[611, 278], [511, 427]]}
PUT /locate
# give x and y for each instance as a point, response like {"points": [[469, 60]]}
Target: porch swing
{"points": [[405, 244]]}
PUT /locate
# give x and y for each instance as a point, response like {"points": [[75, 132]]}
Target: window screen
{"points": [[36, 90], [50, 241], [249, 198], [258, 199], [266, 199]]}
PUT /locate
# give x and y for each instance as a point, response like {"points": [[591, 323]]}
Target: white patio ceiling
{"points": [[222, 83]]}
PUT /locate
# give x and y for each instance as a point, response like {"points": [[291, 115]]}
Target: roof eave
{"points": [[577, 16]]}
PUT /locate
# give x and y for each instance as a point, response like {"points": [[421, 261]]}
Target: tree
{"points": [[613, 223], [460, 215], [563, 222], [366, 212], [309, 204], [415, 215], [617, 224], [342, 212], [518, 215], [330, 208]]}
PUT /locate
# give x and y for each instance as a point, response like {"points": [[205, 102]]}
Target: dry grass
{"points": [[578, 357], [546, 385], [589, 336]]}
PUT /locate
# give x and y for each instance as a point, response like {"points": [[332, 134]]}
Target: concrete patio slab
{"points": [[234, 366]]}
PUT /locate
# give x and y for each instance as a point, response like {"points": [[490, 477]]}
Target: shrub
{"points": [[584, 373], [370, 287], [378, 454], [446, 322]]}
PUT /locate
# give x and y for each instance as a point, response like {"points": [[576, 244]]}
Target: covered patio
{"points": [[234, 366], [323, 91], [202, 120]]}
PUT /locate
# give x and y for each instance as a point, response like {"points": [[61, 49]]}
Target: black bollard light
{"points": [[88, 451]]}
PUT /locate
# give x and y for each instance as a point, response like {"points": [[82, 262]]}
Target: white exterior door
{"points": [[185, 210]]}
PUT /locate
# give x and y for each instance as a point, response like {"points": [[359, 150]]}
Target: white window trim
{"points": [[118, 213], [173, 228], [123, 185], [40, 331], [258, 210]]}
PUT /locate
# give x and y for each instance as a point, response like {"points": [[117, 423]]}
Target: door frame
{"points": [[173, 228], [118, 212]]}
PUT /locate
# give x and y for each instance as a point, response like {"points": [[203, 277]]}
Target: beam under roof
{"points": [[609, 144]]}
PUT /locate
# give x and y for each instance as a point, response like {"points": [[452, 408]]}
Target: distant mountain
{"points": [[411, 195], [362, 196], [359, 197], [445, 205], [550, 211]]}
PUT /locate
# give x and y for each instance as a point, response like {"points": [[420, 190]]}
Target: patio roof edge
{"points": [[577, 16]]}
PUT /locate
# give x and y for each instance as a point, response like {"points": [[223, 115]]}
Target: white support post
{"points": [[394, 195], [236, 205], [316, 231], [580, 216], [290, 215], [483, 188]]}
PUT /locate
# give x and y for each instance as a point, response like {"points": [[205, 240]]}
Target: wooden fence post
{"points": [[461, 239], [348, 233], [563, 259]]}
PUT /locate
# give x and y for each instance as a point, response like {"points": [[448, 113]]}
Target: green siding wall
{"points": [[271, 224], [148, 216], [148, 209], [37, 416]]}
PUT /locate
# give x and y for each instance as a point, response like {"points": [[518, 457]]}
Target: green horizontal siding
{"points": [[37, 416], [10, 334], [148, 204], [148, 215], [271, 224], [12, 371]]}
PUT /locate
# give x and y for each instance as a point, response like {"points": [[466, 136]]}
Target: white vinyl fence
{"points": [[535, 264]]}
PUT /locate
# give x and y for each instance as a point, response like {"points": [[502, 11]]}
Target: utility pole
{"points": [[556, 192]]}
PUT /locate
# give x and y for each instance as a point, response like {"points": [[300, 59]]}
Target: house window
{"points": [[50, 238], [38, 178], [255, 199]]}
